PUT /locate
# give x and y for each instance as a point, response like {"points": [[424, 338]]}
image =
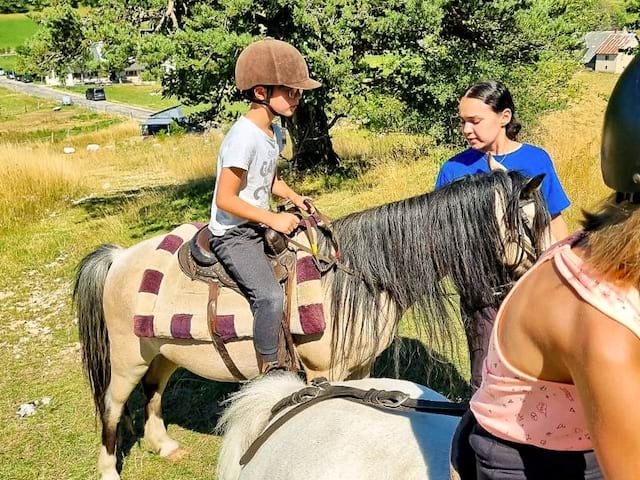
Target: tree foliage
{"points": [[387, 64], [60, 45]]}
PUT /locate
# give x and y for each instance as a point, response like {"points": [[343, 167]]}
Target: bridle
{"points": [[526, 250]]}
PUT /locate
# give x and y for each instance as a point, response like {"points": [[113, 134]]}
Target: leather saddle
{"points": [[198, 262]]}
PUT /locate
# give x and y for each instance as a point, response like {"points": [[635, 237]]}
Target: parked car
{"points": [[27, 78], [11, 75], [95, 94], [1, 72]]}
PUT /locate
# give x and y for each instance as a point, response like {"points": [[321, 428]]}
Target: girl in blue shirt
{"points": [[490, 126]]}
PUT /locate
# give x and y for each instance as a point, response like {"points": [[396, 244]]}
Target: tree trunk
{"points": [[312, 147]]}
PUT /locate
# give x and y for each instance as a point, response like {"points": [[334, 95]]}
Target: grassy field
{"points": [[25, 119], [145, 96], [8, 62], [15, 28], [56, 207]]}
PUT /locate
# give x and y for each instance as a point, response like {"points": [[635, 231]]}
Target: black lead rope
{"points": [[321, 390]]}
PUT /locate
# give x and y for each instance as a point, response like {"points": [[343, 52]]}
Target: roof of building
{"points": [[616, 42], [165, 116], [608, 43], [171, 112], [135, 67]]}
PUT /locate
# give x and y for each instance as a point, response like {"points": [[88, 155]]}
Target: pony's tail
{"points": [[247, 415], [88, 301]]}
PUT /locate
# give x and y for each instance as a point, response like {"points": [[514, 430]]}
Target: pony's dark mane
{"points": [[406, 248]]}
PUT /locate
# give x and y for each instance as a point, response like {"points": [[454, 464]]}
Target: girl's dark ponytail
{"points": [[513, 127]]}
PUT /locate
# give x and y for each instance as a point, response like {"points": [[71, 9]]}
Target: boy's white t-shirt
{"points": [[247, 147]]}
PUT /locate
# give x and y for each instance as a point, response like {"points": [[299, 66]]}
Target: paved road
{"points": [[136, 113]]}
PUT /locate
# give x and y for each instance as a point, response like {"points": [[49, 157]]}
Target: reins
{"points": [[311, 224], [320, 390]]}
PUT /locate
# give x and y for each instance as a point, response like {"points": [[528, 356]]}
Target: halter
{"points": [[530, 250]]}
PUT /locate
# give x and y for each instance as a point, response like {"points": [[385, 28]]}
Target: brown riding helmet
{"points": [[273, 62]]}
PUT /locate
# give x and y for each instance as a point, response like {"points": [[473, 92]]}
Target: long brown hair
{"points": [[613, 241]]}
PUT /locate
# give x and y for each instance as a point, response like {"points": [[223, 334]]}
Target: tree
{"points": [[631, 15], [60, 45], [389, 64]]}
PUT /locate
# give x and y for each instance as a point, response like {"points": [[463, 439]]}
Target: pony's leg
{"points": [[155, 432], [120, 387]]}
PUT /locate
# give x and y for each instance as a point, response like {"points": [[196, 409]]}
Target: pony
{"points": [[335, 438], [481, 232]]}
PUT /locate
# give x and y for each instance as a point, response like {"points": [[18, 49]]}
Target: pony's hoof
{"points": [[175, 455]]}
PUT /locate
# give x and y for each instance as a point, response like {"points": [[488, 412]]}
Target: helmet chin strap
{"points": [[266, 102]]}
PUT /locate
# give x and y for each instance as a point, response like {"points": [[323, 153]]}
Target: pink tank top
{"points": [[517, 407]]}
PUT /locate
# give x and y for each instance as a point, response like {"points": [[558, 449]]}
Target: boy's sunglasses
{"points": [[293, 92]]}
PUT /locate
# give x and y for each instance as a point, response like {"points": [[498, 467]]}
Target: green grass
{"points": [[26, 118], [146, 96], [15, 28], [8, 62]]}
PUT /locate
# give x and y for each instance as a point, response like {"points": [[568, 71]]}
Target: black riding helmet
{"points": [[620, 152]]}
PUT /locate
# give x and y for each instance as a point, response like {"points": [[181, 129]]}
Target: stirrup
{"points": [[269, 368]]}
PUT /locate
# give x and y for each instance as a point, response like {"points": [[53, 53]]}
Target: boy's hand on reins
{"points": [[284, 222], [303, 203]]}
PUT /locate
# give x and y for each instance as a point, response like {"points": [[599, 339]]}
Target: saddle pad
{"points": [[171, 305]]}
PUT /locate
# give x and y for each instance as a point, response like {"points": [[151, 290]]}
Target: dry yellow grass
{"points": [[125, 160], [37, 176], [572, 138], [391, 166], [33, 182]]}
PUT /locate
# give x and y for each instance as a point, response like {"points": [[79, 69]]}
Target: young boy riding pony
{"points": [[272, 75]]}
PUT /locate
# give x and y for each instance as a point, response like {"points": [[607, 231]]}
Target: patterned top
{"points": [[520, 408]]}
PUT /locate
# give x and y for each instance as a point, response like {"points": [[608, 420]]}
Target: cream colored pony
{"points": [[474, 231]]}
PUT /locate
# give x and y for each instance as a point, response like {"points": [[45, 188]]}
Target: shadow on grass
{"points": [[190, 401], [418, 364], [193, 402], [163, 207]]}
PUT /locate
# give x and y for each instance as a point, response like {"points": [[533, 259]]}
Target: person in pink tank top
{"points": [[561, 380]]}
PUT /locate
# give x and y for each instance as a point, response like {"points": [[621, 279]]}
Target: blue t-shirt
{"points": [[528, 160]]}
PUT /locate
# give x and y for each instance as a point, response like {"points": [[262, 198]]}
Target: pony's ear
{"points": [[494, 164], [532, 185]]}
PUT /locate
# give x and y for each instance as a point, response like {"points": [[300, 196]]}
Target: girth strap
{"points": [[321, 389], [217, 341]]}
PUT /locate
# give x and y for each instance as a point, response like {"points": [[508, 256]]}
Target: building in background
{"points": [[609, 51]]}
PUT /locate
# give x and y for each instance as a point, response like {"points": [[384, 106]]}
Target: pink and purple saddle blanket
{"points": [[171, 305]]}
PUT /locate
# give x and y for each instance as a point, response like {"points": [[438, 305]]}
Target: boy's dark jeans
{"points": [[241, 251]]}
